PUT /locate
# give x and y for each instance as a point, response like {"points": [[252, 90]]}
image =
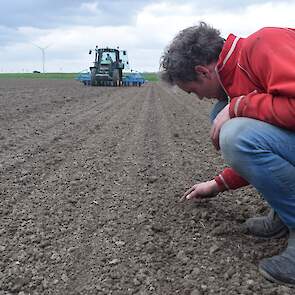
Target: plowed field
{"points": [[90, 180]]}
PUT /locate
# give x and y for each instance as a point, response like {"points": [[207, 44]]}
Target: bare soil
{"points": [[90, 180]]}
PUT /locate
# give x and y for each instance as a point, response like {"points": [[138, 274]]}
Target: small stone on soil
{"points": [[152, 179], [55, 256], [45, 284], [64, 277], [195, 273], [157, 228], [181, 256], [204, 287], [214, 249], [119, 243], [114, 261], [136, 282], [195, 292]]}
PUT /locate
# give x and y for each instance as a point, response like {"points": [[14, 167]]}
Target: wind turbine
{"points": [[43, 54]]}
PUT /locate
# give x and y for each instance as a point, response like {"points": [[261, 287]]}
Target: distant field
{"points": [[151, 76], [67, 76], [39, 76]]}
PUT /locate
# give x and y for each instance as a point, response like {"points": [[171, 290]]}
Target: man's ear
{"points": [[202, 71]]}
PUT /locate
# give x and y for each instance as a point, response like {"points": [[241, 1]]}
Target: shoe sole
{"points": [[270, 278]]}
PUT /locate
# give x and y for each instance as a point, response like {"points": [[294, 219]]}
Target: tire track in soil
{"points": [[147, 148], [122, 148], [113, 197], [158, 229], [90, 247]]}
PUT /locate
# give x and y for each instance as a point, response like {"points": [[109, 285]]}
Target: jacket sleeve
{"points": [[276, 110], [229, 179], [268, 59]]}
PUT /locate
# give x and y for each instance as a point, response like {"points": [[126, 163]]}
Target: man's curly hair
{"points": [[197, 45]]}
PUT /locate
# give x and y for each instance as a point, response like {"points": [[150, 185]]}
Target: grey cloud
{"points": [[229, 5], [48, 14], [57, 13]]}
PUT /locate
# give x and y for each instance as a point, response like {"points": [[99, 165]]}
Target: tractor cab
{"points": [[108, 66], [108, 57]]}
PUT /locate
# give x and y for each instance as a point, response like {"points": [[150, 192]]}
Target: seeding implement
{"points": [[110, 69]]}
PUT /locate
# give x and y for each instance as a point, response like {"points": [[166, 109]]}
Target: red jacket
{"points": [[258, 74]]}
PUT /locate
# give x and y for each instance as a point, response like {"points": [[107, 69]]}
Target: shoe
{"points": [[281, 268], [270, 226]]}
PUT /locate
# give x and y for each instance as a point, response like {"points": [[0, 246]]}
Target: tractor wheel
{"points": [[93, 77], [116, 77]]}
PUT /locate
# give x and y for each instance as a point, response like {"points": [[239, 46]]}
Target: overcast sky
{"points": [[143, 27]]}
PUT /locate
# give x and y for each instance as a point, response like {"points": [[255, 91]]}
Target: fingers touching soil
{"points": [[90, 182]]}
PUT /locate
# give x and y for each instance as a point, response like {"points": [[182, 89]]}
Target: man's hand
{"points": [[201, 190], [220, 119]]}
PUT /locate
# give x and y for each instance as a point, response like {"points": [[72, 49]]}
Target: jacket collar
{"points": [[227, 61]]}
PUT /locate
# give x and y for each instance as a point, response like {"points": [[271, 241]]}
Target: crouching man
{"points": [[253, 121]]}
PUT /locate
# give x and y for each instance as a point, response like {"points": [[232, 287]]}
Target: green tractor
{"points": [[108, 67]]}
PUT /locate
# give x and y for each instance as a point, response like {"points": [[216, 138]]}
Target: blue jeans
{"points": [[264, 155], [216, 109]]}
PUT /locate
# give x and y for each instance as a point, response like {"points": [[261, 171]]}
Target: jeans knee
{"points": [[233, 140]]}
